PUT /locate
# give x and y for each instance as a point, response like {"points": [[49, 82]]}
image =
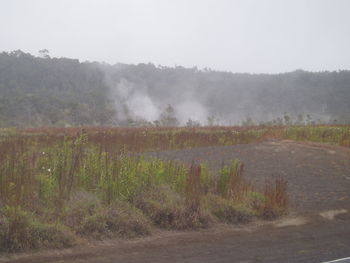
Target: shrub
{"points": [[169, 210], [19, 230], [231, 183], [88, 217], [81, 205], [4, 232], [255, 200], [276, 199], [52, 236], [227, 211], [116, 220]]}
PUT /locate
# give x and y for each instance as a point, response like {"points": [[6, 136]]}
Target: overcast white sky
{"points": [[233, 35]]}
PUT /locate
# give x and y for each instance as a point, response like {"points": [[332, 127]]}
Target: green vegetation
{"points": [[338, 135], [20, 230], [56, 186], [63, 92], [42, 91], [60, 185]]}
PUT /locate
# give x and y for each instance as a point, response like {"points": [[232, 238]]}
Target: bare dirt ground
{"points": [[317, 230]]}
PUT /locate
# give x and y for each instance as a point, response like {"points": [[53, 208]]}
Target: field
{"points": [[61, 186]]}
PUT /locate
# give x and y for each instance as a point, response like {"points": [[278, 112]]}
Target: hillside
{"points": [[44, 91]]}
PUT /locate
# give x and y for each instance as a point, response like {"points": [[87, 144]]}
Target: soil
{"points": [[318, 175], [317, 229]]}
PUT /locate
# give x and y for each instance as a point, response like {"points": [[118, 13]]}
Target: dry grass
{"points": [[228, 211], [91, 181], [276, 199], [19, 230], [169, 210]]}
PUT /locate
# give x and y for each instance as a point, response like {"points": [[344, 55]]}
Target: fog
{"points": [[144, 92], [134, 102], [256, 36], [194, 61]]}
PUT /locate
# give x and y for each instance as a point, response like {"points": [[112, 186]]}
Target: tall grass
{"points": [[150, 139], [95, 182], [74, 186], [141, 139], [338, 135]]}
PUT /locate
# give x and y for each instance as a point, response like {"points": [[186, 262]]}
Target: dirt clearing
{"points": [[318, 175]]}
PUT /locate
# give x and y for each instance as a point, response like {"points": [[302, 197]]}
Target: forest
{"points": [[47, 91]]}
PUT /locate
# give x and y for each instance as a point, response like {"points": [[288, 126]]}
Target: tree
{"points": [[44, 53], [212, 120], [167, 117], [248, 121], [192, 123], [287, 119]]}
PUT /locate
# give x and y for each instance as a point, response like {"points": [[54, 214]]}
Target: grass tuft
{"points": [[168, 210], [276, 199], [227, 211], [19, 230], [117, 220]]}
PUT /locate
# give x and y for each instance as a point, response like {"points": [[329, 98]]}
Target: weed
{"points": [[19, 231], [97, 184], [231, 183], [167, 209], [276, 199], [116, 220], [227, 211]]}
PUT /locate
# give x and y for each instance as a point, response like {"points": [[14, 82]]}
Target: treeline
{"points": [[37, 91]]}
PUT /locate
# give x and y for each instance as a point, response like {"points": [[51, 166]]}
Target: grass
{"points": [[169, 210], [141, 139], [227, 211], [87, 217], [275, 199], [20, 230], [337, 135], [57, 185]]}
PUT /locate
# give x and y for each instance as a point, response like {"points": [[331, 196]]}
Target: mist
{"points": [[255, 36], [142, 94], [133, 102], [44, 90], [162, 62]]}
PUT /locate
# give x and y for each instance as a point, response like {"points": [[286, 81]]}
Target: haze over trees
{"points": [[41, 91]]}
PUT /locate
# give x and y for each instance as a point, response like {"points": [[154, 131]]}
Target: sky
{"points": [[255, 36]]}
